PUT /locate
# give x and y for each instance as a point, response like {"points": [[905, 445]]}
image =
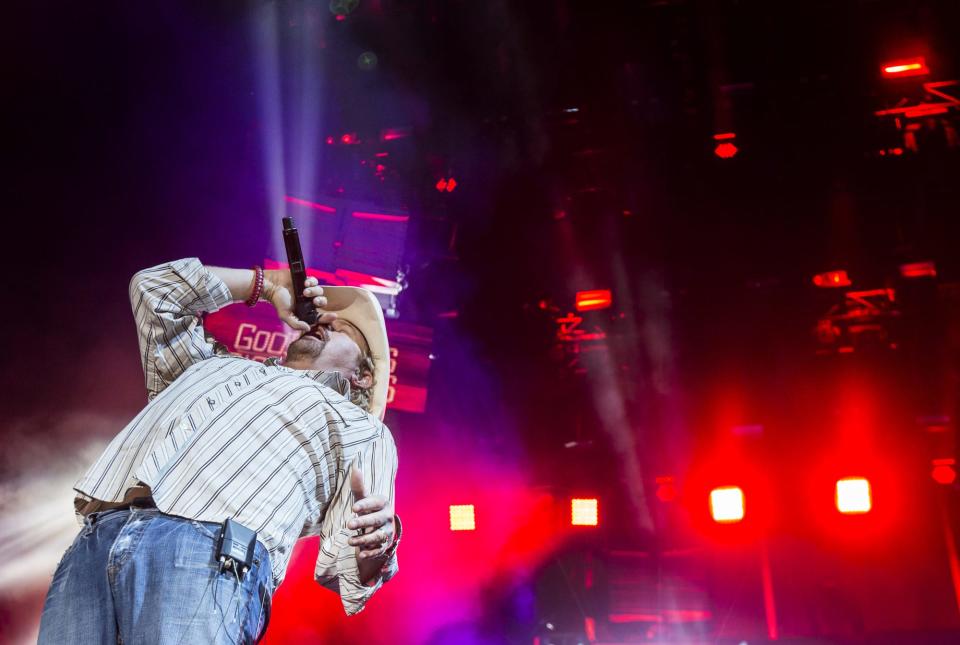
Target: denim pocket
{"points": [[195, 546]]}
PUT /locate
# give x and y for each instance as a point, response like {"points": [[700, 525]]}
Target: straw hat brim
{"points": [[360, 308]]}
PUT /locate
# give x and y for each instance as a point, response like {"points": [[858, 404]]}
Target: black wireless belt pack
{"points": [[235, 548]]}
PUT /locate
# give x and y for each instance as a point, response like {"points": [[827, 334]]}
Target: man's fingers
{"points": [[370, 504], [375, 539], [376, 520], [316, 294], [295, 322], [371, 552], [327, 318]]}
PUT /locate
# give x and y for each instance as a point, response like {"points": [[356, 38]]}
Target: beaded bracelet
{"points": [[257, 287]]}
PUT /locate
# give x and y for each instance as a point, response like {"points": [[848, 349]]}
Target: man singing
{"points": [[285, 449]]}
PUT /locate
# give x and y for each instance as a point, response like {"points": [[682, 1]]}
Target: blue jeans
{"points": [[138, 576]]}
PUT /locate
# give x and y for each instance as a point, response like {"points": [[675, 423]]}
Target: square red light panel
{"points": [[853, 495], [595, 299], [584, 512], [915, 66], [726, 504], [462, 517], [831, 279]]}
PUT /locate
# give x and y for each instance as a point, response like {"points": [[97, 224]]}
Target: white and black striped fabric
{"points": [[224, 436]]}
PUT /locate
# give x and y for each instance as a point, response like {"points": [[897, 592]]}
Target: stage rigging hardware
{"points": [[922, 109]]}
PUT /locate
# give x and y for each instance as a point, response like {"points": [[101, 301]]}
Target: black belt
{"points": [[142, 502]]}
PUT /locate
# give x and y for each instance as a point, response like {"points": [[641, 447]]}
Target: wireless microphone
{"points": [[303, 307]]}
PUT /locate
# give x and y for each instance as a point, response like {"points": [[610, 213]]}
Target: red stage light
{"points": [[446, 185], [391, 134], [462, 517], [945, 475], [349, 138], [590, 629], [596, 299], [726, 504], [916, 66], [305, 202], [726, 150], [918, 270], [830, 279], [584, 512], [383, 217], [725, 136], [943, 471], [853, 495]]}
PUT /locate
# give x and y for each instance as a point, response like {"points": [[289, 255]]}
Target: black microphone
{"points": [[303, 307]]}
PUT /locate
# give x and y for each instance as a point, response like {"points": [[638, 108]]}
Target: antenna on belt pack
{"points": [[236, 547]]}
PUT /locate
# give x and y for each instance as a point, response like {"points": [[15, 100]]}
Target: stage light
{"points": [[590, 629], [383, 217], [306, 202], [726, 504], [596, 299], [853, 495], [918, 270], [944, 471], [462, 517], [584, 512], [349, 138], [916, 66], [391, 134], [832, 279], [726, 150], [446, 185]]}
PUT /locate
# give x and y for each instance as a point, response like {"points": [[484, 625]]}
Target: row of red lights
{"points": [[602, 298], [583, 512], [852, 496], [352, 139], [726, 147], [840, 277]]}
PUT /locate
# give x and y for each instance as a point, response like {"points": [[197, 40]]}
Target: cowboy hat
{"points": [[360, 308]]}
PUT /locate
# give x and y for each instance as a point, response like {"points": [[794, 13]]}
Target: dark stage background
{"points": [[583, 140]]}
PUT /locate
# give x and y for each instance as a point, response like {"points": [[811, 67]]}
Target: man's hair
{"points": [[362, 396]]}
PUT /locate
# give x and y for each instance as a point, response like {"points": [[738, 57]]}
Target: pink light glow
{"points": [[769, 599], [381, 216], [663, 616], [391, 134], [308, 204]]}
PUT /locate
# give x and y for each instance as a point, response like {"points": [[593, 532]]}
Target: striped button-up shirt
{"points": [[224, 436]]}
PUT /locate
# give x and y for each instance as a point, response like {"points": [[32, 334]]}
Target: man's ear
{"points": [[362, 382]]}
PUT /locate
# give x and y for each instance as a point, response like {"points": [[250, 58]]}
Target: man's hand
{"points": [[278, 290], [375, 518]]}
